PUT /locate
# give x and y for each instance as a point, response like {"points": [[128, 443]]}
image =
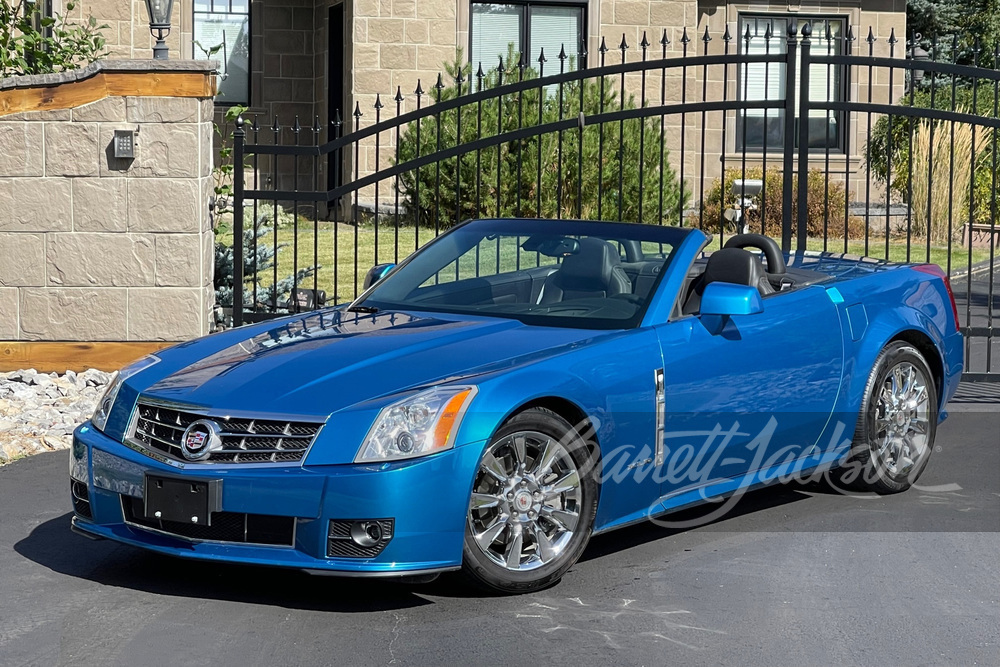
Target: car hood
{"points": [[322, 362]]}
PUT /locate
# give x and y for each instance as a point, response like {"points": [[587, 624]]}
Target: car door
{"points": [[754, 395]]}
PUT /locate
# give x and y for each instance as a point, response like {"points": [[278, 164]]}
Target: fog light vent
{"points": [[358, 538], [81, 499]]}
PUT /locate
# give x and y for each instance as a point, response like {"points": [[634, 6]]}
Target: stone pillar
{"points": [[99, 248]]}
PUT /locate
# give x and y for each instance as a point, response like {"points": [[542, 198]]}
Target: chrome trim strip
{"points": [[661, 416], [295, 528]]}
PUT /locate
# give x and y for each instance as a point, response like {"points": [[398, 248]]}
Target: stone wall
{"points": [[127, 33], [94, 248]]}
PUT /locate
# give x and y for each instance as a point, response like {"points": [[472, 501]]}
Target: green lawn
{"points": [[345, 253]]}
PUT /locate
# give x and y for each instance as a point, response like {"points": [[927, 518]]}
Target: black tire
{"points": [[478, 565], [865, 468]]}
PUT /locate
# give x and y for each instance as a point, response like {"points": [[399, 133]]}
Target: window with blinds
{"points": [[525, 27], [763, 129]]}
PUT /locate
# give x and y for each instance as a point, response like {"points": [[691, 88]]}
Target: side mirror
{"points": [[731, 299], [377, 273]]}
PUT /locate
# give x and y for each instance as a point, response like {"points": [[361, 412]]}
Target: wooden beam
{"points": [[107, 84], [48, 357]]}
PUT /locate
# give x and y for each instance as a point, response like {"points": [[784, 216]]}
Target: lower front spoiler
{"points": [[289, 558]]}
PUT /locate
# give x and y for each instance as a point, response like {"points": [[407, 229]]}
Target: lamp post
{"points": [[918, 55], [159, 25]]}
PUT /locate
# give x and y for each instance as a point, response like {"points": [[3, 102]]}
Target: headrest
{"points": [[733, 265], [594, 263]]}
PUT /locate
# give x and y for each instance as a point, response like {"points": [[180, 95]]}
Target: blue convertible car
{"points": [[513, 388]]}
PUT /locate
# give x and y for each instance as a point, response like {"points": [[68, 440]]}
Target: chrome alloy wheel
{"points": [[526, 501], [902, 420]]}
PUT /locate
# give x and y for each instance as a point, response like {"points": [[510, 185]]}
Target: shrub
{"points": [[825, 205], [31, 43], [533, 176], [893, 139], [942, 175]]}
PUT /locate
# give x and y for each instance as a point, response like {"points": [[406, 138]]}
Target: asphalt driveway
{"points": [[795, 576]]}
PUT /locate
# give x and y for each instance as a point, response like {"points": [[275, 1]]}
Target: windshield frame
{"points": [[527, 227]]}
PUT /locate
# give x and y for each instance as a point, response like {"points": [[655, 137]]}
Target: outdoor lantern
{"points": [[159, 25], [918, 55]]}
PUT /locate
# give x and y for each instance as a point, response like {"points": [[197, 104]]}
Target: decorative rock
{"points": [[39, 411]]}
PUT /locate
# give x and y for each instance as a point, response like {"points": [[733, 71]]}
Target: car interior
{"points": [[599, 273]]}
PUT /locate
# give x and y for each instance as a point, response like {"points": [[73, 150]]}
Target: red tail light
{"points": [[935, 270]]}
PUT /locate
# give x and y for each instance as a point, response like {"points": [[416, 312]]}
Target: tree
{"points": [[31, 43], [614, 175]]}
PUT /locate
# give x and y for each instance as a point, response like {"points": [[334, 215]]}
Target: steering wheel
{"points": [[772, 253]]}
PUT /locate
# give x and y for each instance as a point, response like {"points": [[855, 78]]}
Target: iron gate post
{"points": [[788, 167], [239, 134], [803, 150]]}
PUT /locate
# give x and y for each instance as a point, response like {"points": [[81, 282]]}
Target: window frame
{"points": [[222, 102], [840, 93], [525, 26]]}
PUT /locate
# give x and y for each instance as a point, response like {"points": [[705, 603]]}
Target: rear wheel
{"points": [[533, 503], [897, 424]]}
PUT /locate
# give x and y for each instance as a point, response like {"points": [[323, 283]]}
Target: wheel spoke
{"points": [[488, 536], [881, 424], [513, 553], [545, 550], [484, 500], [908, 385], [494, 468], [519, 446], [568, 482], [544, 460], [565, 519], [920, 426], [884, 448]]}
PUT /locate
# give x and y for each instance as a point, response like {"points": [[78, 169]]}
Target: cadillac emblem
{"points": [[201, 439]]}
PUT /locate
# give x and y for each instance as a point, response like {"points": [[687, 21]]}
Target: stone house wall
{"points": [[95, 248]]}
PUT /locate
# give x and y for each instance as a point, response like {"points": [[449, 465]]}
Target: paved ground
{"points": [[797, 576]]}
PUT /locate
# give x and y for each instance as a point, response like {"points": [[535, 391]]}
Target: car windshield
{"points": [[593, 275]]}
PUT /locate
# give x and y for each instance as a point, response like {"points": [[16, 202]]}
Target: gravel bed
{"points": [[39, 411]]}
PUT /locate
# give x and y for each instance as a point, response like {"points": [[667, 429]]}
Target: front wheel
{"points": [[533, 504], [896, 425]]}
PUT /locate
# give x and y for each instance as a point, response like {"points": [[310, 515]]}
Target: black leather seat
{"points": [[728, 265], [595, 271]]}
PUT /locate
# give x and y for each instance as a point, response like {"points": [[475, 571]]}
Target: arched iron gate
{"points": [[738, 134]]}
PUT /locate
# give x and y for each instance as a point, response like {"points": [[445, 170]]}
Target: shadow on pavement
{"points": [[53, 545]]}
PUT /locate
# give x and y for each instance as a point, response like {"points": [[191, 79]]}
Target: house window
{"points": [[526, 27], [222, 32], [758, 129]]}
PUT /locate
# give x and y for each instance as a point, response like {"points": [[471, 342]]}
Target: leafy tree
{"points": [[961, 31], [31, 43], [889, 154], [615, 175]]}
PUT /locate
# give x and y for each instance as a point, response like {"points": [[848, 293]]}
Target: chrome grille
{"points": [[160, 428]]}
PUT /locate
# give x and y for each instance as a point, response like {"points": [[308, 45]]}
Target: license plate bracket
{"points": [[181, 499]]}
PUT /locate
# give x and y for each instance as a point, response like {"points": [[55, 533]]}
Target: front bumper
{"points": [[426, 498]]}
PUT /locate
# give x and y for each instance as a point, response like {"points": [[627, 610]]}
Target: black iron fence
{"points": [[824, 139]]}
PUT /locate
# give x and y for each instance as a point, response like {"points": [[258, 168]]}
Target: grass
{"points": [[345, 253]]}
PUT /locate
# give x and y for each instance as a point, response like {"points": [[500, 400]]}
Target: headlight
{"points": [[416, 426], [103, 411]]}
